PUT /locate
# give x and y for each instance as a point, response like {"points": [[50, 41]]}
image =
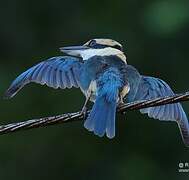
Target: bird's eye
{"points": [[92, 43]]}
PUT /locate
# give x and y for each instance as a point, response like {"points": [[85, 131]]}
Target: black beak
{"points": [[72, 49]]}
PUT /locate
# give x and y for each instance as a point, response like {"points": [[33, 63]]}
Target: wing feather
{"points": [[57, 72], [150, 88]]}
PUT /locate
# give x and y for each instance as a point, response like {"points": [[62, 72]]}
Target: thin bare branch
{"points": [[77, 116]]}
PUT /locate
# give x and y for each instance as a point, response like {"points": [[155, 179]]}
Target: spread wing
{"points": [[56, 72], [150, 88]]}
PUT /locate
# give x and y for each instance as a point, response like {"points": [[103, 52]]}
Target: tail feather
{"points": [[102, 118], [110, 126]]}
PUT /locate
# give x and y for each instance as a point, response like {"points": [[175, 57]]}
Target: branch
{"points": [[77, 116]]}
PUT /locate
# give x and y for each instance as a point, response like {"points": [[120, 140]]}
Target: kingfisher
{"points": [[99, 68]]}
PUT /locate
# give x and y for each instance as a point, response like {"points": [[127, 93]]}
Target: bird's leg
{"points": [[121, 102], [124, 91], [84, 109]]}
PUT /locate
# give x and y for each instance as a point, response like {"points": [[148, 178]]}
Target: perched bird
{"points": [[99, 68]]}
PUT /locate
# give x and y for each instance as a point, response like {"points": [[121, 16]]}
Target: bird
{"points": [[99, 68]]}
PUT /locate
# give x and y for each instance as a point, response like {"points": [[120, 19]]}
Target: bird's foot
{"points": [[121, 103]]}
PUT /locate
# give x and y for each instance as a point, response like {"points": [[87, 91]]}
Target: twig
{"points": [[77, 116]]}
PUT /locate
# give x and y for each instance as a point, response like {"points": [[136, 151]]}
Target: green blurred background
{"points": [[155, 35]]}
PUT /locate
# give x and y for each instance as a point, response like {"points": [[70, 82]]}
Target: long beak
{"points": [[74, 50]]}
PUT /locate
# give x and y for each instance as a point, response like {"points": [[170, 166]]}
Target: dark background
{"points": [[155, 36]]}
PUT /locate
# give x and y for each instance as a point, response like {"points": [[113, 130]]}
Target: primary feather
{"points": [[150, 88], [57, 72]]}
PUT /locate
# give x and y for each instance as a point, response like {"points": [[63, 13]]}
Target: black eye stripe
{"points": [[99, 46]]}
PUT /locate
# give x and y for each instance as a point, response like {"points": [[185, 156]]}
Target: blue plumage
{"points": [[57, 72], [100, 70], [102, 117], [150, 88]]}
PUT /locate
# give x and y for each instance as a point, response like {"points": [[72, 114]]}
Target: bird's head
{"points": [[96, 47]]}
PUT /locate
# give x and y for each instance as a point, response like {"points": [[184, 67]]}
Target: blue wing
{"points": [[150, 88], [101, 119], [57, 72]]}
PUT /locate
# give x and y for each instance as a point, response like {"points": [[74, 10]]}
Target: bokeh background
{"points": [[155, 35]]}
